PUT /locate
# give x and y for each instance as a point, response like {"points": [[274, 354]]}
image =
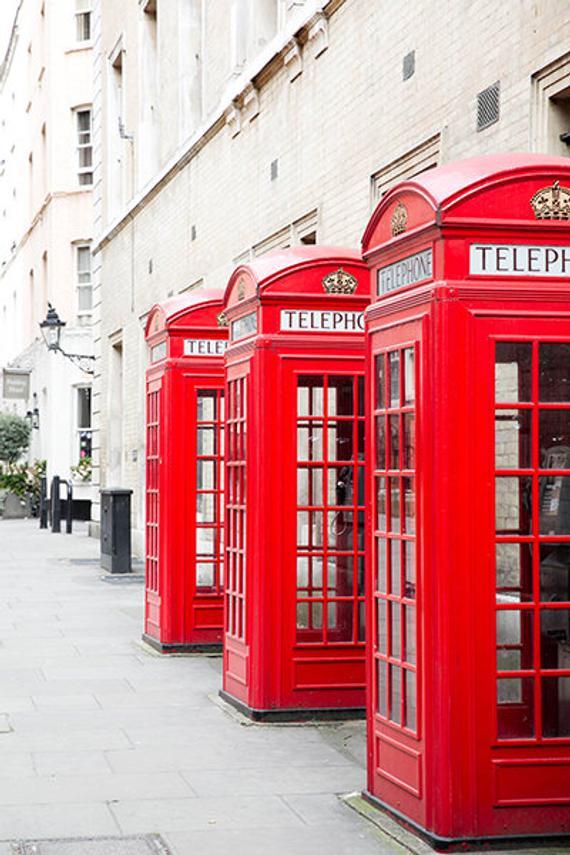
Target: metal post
{"points": [[43, 511], [69, 509], [55, 502]]}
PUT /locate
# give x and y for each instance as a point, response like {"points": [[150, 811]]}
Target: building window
{"points": [[84, 285], [421, 158], [550, 124], [83, 20], [84, 427], [84, 147]]}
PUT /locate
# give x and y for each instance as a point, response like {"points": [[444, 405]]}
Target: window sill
{"points": [[80, 46]]}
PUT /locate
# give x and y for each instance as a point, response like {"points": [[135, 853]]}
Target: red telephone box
{"points": [[184, 473], [468, 529], [294, 634]]}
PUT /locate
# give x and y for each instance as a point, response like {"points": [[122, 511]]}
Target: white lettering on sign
{"points": [[321, 321], [505, 259], [204, 347], [408, 271]]}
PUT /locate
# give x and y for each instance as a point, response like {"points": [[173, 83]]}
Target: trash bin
{"points": [[116, 530]]}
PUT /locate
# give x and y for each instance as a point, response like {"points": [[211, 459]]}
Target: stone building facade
{"points": [[46, 221], [227, 128]]}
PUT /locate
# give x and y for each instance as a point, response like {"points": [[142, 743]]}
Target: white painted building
{"points": [[226, 128], [46, 177]]}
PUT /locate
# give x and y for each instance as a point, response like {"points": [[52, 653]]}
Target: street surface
{"points": [[102, 737]]}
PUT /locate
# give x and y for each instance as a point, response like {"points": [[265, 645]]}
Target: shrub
{"points": [[14, 437]]}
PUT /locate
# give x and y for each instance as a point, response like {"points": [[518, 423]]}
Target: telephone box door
{"points": [[323, 465], [522, 419], [395, 673]]}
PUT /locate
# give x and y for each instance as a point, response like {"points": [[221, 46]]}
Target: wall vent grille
{"points": [[488, 106]]}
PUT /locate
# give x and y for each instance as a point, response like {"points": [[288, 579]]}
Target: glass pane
{"points": [[380, 442], [381, 503], [409, 451], [513, 362], [409, 377], [395, 574], [513, 572], [340, 485], [513, 504], [207, 406], [381, 686], [205, 541], [310, 396], [410, 650], [556, 706], [205, 507], [394, 504], [206, 474], [341, 440], [309, 486], [382, 616], [341, 396], [309, 528], [84, 298], [394, 361], [554, 497], [514, 632], [340, 530], [411, 706], [554, 439], [302, 574], [554, 638], [515, 708], [302, 615], [394, 429], [512, 439], [84, 407], [205, 575], [396, 700], [381, 580], [316, 613], [409, 569], [340, 576], [555, 572], [310, 441], [395, 634], [206, 440], [340, 620], [360, 384], [380, 382], [554, 372], [409, 505]]}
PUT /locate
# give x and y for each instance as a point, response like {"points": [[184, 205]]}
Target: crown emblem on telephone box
{"points": [[340, 282], [552, 203], [399, 219]]}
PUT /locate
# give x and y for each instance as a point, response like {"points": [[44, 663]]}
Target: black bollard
{"points": [[43, 511], [69, 509], [55, 502]]}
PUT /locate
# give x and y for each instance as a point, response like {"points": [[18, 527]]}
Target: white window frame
{"points": [[79, 430], [83, 284], [83, 8], [81, 145]]}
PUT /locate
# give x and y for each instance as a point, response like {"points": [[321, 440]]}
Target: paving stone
{"points": [[107, 787], [280, 780], [71, 763], [138, 845], [186, 814], [64, 820]]}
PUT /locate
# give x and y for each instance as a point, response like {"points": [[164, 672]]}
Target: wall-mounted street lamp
{"points": [[33, 416], [51, 329]]}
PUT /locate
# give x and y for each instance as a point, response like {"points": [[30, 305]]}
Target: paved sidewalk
{"points": [[99, 736]]}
